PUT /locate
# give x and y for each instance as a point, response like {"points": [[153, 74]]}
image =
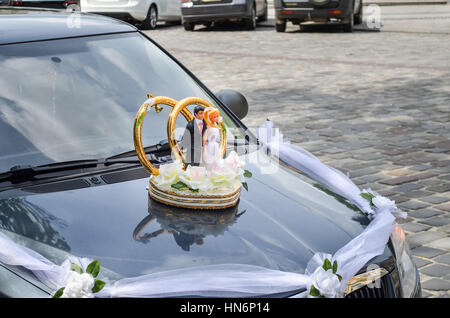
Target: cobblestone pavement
{"points": [[373, 104]]}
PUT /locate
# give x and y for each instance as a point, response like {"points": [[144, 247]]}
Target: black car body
{"points": [[346, 12], [208, 11], [68, 97]]}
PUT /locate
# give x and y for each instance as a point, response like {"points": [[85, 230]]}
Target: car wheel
{"points": [[251, 22], [189, 26], [280, 26], [359, 15], [151, 20], [265, 14], [349, 22]]}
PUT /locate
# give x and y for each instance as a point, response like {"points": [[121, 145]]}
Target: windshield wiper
{"points": [[23, 173]]}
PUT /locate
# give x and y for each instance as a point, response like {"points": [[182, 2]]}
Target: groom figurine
{"points": [[192, 141]]}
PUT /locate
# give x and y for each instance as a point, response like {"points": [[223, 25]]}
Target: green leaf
{"points": [[193, 190], [93, 268], [98, 286], [314, 292], [76, 268], [335, 267], [339, 276], [59, 293], [179, 185], [327, 264], [368, 196], [247, 174], [244, 184]]}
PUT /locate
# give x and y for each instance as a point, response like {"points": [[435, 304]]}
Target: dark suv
{"points": [[208, 11], [346, 12]]}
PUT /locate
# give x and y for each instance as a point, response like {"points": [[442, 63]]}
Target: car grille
{"points": [[332, 4], [388, 287], [208, 2]]}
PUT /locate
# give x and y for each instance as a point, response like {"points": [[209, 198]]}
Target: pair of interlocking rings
{"points": [[178, 106]]}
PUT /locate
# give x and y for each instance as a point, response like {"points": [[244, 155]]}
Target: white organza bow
{"points": [[240, 280]]}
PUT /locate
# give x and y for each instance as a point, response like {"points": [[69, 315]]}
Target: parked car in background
{"points": [[208, 11], [345, 12], [145, 13], [56, 4]]}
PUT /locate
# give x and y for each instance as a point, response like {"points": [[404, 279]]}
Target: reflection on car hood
{"points": [[279, 223]]}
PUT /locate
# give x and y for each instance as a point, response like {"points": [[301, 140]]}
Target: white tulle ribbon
{"points": [[240, 280]]}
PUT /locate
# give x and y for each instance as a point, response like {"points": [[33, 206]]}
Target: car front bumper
{"points": [[306, 11], [122, 9], [215, 12]]}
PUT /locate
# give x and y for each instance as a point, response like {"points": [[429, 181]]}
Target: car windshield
{"points": [[70, 99]]}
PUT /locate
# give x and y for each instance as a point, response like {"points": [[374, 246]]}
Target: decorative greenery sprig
{"points": [[368, 197], [247, 174], [93, 269], [182, 186]]}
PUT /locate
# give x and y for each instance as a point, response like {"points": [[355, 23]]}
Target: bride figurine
{"points": [[211, 140]]}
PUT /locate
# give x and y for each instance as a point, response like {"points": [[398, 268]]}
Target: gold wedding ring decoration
{"points": [[178, 107]]}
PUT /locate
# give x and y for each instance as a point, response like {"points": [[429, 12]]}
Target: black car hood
{"points": [[279, 223]]}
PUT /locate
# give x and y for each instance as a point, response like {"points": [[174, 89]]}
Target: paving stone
{"points": [[399, 180], [436, 270], [409, 178], [362, 172], [439, 188], [436, 284], [445, 259], [424, 213], [415, 227], [398, 198], [446, 177], [444, 207], [413, 205], [435, 199], [441, 244], [422, 238], [420, 262], [420, 167], [426, 294], [417, 194], [427, 252], [369, 157], [436, 221], [408, 187], [445, 229]]}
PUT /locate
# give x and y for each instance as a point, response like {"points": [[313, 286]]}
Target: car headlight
{"points": [[405, 264]]}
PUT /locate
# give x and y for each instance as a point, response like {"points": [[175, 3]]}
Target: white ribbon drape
{"points": [[238, 280]]}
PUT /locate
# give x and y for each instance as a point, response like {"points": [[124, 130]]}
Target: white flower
{"points": [[326, 282], [195, 178], [78, 285], [383, 203], [233, 161], [169, 173]]}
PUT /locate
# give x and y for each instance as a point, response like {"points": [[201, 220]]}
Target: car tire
{"points": [[189, 26], [151, 20], [251, 22], [359, 15], [280, 27], [265, 14], [349, 22]]}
